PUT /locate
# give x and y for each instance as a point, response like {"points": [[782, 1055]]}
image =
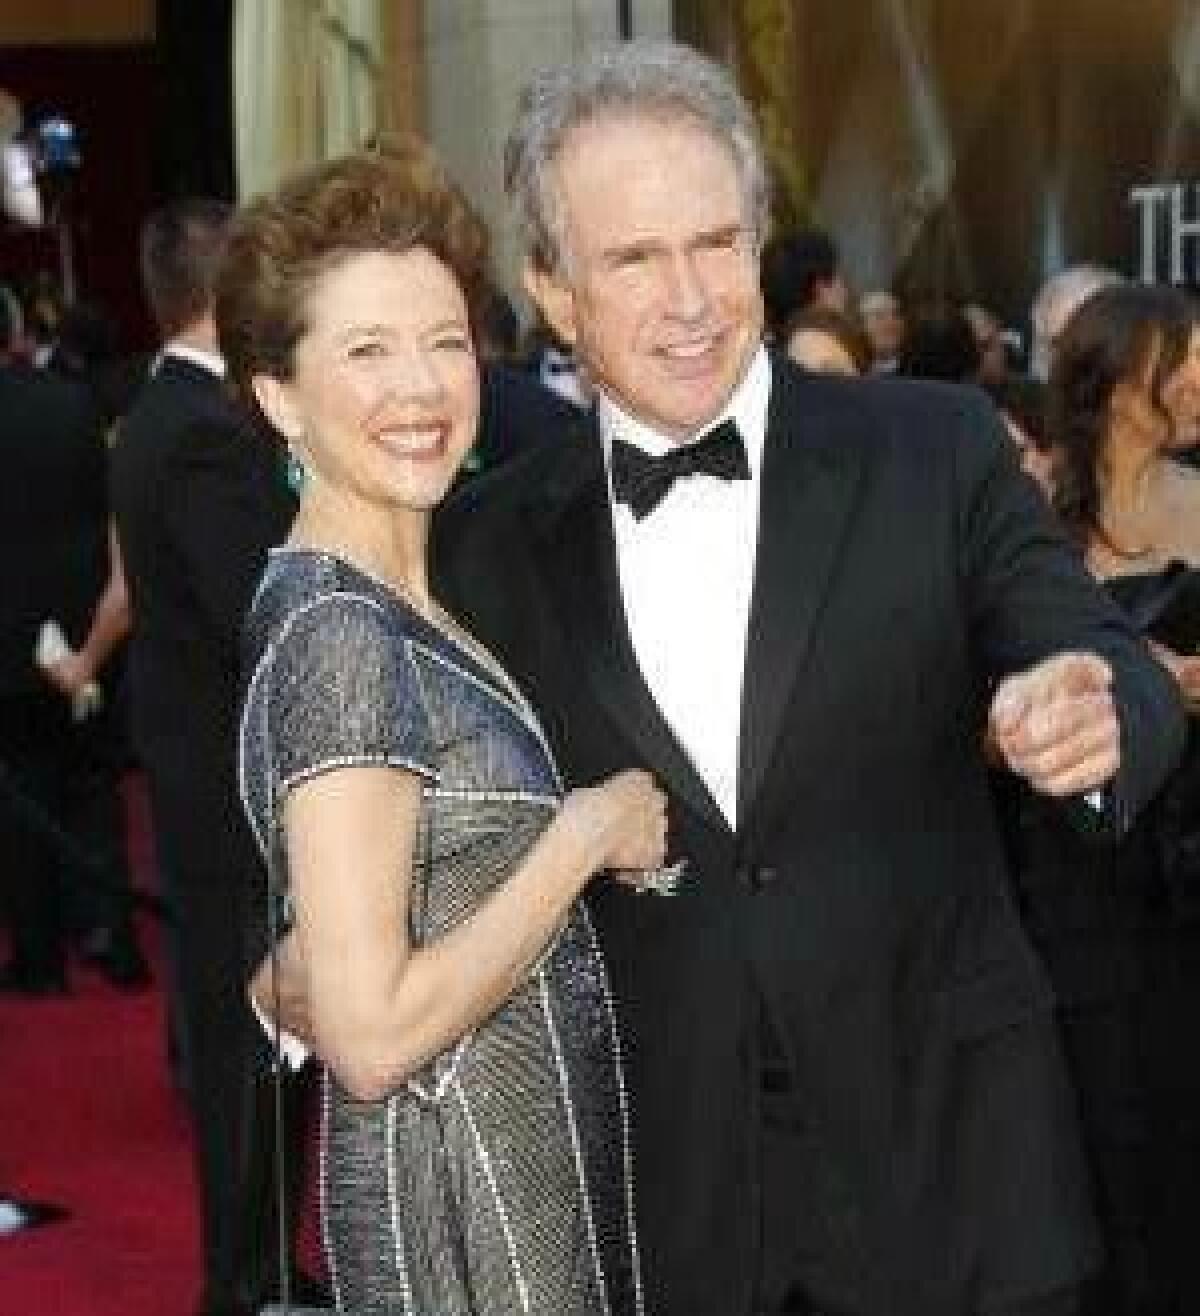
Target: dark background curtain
{"points": [[155, 121], [970, 148], [105, 91], [193, 131]]}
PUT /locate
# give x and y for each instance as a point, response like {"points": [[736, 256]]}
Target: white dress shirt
{"points": [[196, 356], [686, 572]]}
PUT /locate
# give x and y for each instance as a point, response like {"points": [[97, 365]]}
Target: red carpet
{"points": [[88, 1120]]}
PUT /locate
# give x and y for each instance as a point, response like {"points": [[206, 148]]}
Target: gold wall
{"points": [[69, 22], [970, 146]]}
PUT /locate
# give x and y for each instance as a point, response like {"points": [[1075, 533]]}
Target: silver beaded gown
{"points": [[498, 1180]]}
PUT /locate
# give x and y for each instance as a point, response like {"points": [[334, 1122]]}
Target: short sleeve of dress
{"points": [[339, 688]]}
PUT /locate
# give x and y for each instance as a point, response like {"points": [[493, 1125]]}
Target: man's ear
{"points": [[554, 297], [274, 397]]}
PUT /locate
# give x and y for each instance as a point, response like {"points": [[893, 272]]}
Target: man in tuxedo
{"points": [[801, 271], [61, 819], [846, 1090], [199, 496]]}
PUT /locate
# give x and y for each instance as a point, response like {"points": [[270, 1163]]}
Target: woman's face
{"points": [[1181, 397], [814, 349], [383, 399]]}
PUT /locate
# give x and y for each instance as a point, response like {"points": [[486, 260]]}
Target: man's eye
{"points": [[728, 241], [631, 258]]}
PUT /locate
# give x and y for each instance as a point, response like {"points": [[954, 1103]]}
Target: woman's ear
{"points": [[274, 397]]}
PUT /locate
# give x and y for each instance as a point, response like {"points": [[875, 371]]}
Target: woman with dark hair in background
{"points": [[827, 341], [1119, 928]]}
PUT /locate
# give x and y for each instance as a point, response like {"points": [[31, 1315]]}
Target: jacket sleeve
{"points": [[1028, 595]]}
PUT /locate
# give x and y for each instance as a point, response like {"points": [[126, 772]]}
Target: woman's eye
{"points": [[368, 348], [455, 342]]}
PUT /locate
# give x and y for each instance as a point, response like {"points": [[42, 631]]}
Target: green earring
{"points": [[295, 474]]}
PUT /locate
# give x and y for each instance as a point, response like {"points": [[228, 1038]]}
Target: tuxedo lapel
{"points": [[809, 486], [579, 562]]}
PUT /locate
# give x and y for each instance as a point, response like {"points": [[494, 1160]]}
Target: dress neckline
{"points": [[480, 659]]}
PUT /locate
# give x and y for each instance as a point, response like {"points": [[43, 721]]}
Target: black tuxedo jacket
{"points": [[53, 517], [516, 412], [862, 906], [199, 496]]}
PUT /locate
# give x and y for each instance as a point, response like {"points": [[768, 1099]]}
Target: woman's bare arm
{"points": [[379, 1009]]}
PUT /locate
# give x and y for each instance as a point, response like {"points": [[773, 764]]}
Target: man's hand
{"points": [[294, 1016], [1056, 725]]}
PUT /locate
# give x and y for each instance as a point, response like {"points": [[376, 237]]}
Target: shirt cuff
{"points": [[292, 1051]]}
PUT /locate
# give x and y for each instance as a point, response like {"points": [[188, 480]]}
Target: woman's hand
{"points": [[68, 674], [623, 821], [1185, 668]]}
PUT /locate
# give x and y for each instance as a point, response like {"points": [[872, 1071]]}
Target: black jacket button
{"points": [[755, 877]]}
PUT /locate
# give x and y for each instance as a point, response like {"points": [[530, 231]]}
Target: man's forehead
{"points": [[647, 171], [640, 127]]}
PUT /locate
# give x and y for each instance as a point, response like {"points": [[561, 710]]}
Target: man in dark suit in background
{"points": [[801, 272], [846, 1089], [199, 497], [61, 819]]}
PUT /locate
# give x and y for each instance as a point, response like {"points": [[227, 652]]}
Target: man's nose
{"points": [[687, 292]]}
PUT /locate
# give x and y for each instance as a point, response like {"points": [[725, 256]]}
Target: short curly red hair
{"points": [[392, 198]]}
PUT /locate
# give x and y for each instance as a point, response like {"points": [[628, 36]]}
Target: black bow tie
{"points": [[643, 481]]}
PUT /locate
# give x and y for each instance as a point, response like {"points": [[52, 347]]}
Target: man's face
{"points": [[659, 295], [819, 351]]}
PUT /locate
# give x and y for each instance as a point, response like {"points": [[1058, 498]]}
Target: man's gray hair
{"points": [[648, 79]]}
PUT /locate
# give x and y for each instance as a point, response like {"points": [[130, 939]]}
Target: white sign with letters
{"points": [[1170, 211]]}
